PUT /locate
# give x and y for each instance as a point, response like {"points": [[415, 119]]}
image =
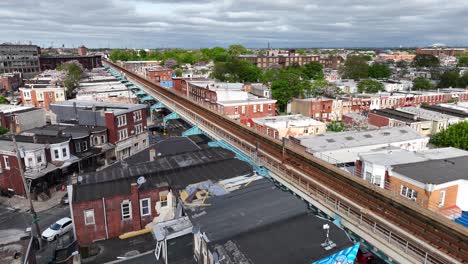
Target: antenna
{"points": [[328, 244], [141, 180]]}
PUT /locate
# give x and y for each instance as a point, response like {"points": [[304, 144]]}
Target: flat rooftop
{"points": [[267, 221], [401, 156], [287, 121], [435, 171], [425, 113], [6, 108], [101, 106], [398, 115], [355, 139]]}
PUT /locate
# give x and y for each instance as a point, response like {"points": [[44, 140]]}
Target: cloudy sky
{"points": [[253, 23]]}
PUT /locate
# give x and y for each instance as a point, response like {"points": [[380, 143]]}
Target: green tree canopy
{"points": [[142, 54], [313, 70], [236, 50], [355, 67], [287, 85], [425, 60], [236, 70], [336, 126], [454, 136], [421, 83], [370, 86], [463, 61], [463, 81], [449, 79], [3, 130], [379, 71], [3, 100]]}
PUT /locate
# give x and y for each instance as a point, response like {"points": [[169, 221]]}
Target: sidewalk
{"points": [[22, 204]]}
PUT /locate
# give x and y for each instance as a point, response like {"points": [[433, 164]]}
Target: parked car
{"points": [[57, 229], [64, 199]]}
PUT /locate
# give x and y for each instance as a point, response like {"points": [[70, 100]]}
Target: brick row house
{"points": [[126, 123], [21, 118], [50, 154], [277, 58], [42, 97], [323, 108], [232, 100], [435, 178], [142, 190], [287, 126]]}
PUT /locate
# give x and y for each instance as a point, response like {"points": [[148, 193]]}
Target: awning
{"points": [[141, 92]]}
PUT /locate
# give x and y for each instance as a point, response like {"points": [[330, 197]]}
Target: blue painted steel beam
{"points": [[192, 131], [170, 116]]}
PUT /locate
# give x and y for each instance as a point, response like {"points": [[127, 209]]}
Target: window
{"points": [[77, 147], [103, 139], [138, 129], [39, 159], [96, 141], [243, 110], [123, 134], [64, 152], [145, 207], [7, 162], [255, 108], [126, 210], [89, 217], [408, 193], [163, 200], [261, 108], [137, 115], [121, 120], [235, 110], [377, 179], [56, 153], [84, 146], [442, 198], [368, 176], [306, 131]]}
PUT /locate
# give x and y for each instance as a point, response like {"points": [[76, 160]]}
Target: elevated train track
{"points": [[433, 238]]}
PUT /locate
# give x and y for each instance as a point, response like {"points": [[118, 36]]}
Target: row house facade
{"points": [[290, 125], [10, 81], [42, 97], [50, 154], [126, 123], [275, 59], [326, 109], [441, 51]]}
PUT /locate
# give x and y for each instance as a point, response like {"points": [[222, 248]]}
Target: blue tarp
{"points": [[346, 256]]}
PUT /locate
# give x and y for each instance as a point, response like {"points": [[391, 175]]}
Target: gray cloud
{"points": [[207, 23]]}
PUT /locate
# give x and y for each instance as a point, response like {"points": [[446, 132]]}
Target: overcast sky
{"points": [[253, 23]]}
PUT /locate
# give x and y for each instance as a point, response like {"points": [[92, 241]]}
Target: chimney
{"points": [[34, 138]]}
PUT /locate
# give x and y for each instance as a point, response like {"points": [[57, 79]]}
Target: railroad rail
{"points": [[419, 232]]}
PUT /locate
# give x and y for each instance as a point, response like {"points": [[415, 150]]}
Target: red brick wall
{"points": [[378, 120], [86, 234], [11, 178], [249, 112], [49, 97], [112, 129]]}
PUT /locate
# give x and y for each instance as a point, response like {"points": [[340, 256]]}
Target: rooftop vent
{"points": [[330, 140], [349, 138], [368, 136]]}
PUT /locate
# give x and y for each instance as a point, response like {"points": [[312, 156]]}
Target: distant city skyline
{"points": [[252, 23]]}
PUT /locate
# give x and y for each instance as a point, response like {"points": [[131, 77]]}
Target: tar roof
{"points": [[7, 145], [398, 115], [301, 235], [177, 171], [259, 204], [75, 131], [346, 140], [435, 171], [170, 146]]}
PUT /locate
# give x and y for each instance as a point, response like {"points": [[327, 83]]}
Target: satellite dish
{"points": [[80, 179], [141, 180]]}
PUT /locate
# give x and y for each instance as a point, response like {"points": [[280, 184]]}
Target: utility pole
{"points": [[26, 189]]}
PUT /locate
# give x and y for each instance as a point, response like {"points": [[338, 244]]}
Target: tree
{"points": [[313, 70], [463, 80], [421, 83], [449, 79], [3, 100], [336, 126], [236, 70], [3, 130], [370, 86], [178, 72], [355, 67], [463, 61], [142, 53], [236, 50], [379, 71], [425, 60], [73, 73], [454, 136], [170, 63], [287, 85], [301, 52]]}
